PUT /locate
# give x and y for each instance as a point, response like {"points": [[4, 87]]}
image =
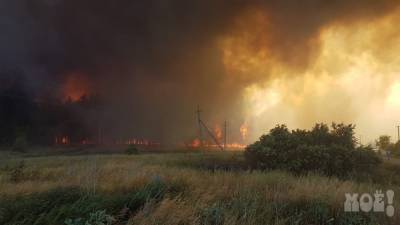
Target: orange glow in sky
{"points": [[75, 86], [353, 78]]}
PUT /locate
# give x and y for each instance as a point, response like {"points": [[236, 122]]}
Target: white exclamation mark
{"points": [[390, 208]]}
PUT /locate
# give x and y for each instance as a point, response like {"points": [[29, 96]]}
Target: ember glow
{"points": [[196, 143], [76, 86], [262, 62], [218, 132], [62, 140]]}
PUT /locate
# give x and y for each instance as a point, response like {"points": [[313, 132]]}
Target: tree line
{"points": [[37, 120]]}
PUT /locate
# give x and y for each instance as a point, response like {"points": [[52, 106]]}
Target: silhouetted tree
{"points": [[324, 150], [383, 142]]}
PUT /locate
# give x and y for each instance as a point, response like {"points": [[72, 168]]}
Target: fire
{"points": [[394, 96], [137, 141], [353, 76], [76, 85], [218, 132], [235, 146], [62, 140], [195, 143], [240, 56], [86, 141], [244, 131]]}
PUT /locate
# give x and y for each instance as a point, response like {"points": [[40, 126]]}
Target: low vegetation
{"points": [[385, 145], [20, 144], [96, 218], [131, 150], [168, 189], [17, 172]]}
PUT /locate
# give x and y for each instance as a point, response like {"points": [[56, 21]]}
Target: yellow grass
{"points": [[203, 188]]}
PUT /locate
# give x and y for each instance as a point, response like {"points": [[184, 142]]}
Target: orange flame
{"points": [[63, 140], [75, 86], [218, 132], [244, 131], [137, 141], [195, 143], [235, 146]]}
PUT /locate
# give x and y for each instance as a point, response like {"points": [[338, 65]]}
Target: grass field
{"points": [[177, 188]]}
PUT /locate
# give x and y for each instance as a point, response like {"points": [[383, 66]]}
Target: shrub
{"points": [[383, 142], [330, 152], [20, 144], [131, 150], [394, 148]]}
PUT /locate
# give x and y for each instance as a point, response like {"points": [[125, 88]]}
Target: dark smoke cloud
{"points": [[156, 60]]}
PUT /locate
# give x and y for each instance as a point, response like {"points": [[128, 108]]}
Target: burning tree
{"points": [[44, 120]]}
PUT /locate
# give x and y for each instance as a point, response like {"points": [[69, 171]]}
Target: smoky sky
{"points": [[156, 60]]}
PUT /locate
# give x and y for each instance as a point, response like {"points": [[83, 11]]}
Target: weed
{"points": [[17, 172], [213, 215], [132, 150], [99, 217]]}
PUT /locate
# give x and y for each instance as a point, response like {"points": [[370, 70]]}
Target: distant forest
{"points": [[44, 120]]}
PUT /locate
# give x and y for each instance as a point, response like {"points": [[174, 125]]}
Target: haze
{"points": [[253, 63]]}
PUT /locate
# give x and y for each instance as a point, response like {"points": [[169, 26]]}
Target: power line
{"points": [[203, 125], [211, 135], [198, 111]]}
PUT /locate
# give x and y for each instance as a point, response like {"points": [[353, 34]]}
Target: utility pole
{"points": [[99, 131], [198, 111], [398, 133], [208, 131], [225, 125], [99, 138]]}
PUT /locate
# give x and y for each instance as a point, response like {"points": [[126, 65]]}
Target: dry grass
{"points": [[245, 197]]}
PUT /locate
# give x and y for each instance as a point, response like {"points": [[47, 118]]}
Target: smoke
{"points": [[154, 61]]}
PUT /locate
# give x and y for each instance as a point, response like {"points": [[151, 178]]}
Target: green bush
{"points": [[132, 150], [330, 152]]}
